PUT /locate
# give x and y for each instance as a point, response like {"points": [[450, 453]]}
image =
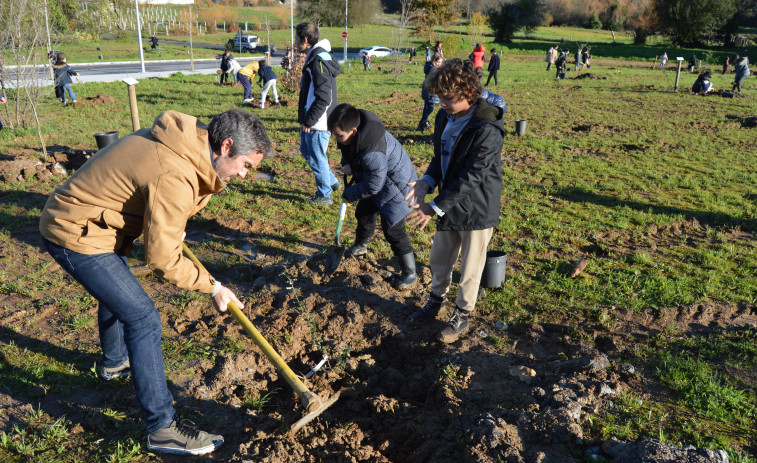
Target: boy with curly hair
{"points": [[467, 171]]}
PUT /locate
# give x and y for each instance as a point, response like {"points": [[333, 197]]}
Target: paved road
{"points": [[114, 71]]}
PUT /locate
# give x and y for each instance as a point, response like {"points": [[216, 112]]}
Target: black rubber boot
{"points": [[428, 312], [407, 278]]}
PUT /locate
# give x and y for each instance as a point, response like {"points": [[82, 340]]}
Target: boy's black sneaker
{"points": [[428, 312]]}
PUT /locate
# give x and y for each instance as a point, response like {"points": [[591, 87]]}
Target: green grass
{"points": [[656, 189]]}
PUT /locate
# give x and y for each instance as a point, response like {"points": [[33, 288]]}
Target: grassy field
{"points": [[655, 188], [536, 42]]}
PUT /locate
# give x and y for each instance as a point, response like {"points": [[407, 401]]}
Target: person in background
{"points": [[63, 73], [478, 56], [586, 59], [741, 65], [493, 68], [703, 86], [438, 48], [225, 66], [429, 99], [578, 59], [562, 64], [692, 62], [318, 98], [411, 54], [551, 57], [492, 98], [3, 100], [663, 59], [245, 76], [268, 80], [366, 61], [286, 62], [234, 68], [382, 171], [148, 183], [466, 170], [428, 53], [726, 64], [154, 41]]}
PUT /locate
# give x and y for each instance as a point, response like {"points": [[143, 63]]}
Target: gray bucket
{"points": [[104, 139], [494, 269], [520, 126]]}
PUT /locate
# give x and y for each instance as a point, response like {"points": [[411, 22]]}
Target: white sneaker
{"points": [[248, 100], [261, 107]]}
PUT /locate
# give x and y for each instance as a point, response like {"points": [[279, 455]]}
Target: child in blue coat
{"points": [[63, 73], [382, 171]]}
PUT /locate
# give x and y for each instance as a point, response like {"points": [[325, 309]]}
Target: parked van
{"points": [[246, 43]]}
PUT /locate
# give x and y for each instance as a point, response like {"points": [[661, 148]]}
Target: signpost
{"points": [[130, 83], [678, 72]]}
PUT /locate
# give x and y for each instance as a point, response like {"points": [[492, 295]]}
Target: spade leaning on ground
{"points": [[148, 183]]}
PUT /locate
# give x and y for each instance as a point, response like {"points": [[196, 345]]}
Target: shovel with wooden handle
{"points": [[313, 404]]}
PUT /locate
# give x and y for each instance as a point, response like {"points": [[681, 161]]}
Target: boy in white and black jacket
{"points": [[467, 171], [317, 100]]}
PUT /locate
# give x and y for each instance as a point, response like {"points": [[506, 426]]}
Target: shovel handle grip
{"points": [[342, 213]]}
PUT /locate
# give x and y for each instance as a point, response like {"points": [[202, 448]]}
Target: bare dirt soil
{"points": [[518, 393]]}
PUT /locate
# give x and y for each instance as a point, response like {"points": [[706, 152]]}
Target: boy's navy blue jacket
{"points": [[266, 73], [318, 86], [493, 63], [381, 167], [470, 192], [63, 73]]}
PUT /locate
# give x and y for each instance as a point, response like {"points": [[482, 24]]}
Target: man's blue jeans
{"points": [[313, 147], [129, 326]]}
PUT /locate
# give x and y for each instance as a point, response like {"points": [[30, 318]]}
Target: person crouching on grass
{"points": [[383, 173], [467, 171]]}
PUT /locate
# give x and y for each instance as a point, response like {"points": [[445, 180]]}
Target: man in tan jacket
{"points": [[148, 183]]}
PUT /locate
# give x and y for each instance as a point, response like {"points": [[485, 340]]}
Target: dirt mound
{"points": [[521, 393], [589, 75], [100, 100]]}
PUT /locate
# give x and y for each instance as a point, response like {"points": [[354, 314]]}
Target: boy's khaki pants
{"points": [[471, 247]]}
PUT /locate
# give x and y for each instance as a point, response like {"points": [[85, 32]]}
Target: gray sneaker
{"points": [[182, 438], [120, 371]]}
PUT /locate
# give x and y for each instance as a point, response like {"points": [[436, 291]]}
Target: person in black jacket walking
{"points": [[317, 100], [493, 68], [382, 171], [467, 170]]}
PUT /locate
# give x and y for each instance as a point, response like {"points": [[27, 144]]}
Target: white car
{"points": [[377, 52]]}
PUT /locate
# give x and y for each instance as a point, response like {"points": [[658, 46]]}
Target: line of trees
{"points": [[687, 22]]}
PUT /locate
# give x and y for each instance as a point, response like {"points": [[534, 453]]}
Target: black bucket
{"points": [[104, 139], [494, 269], [520, 126]]}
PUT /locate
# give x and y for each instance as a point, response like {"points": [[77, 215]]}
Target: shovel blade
{"points": [[333, 259]]}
